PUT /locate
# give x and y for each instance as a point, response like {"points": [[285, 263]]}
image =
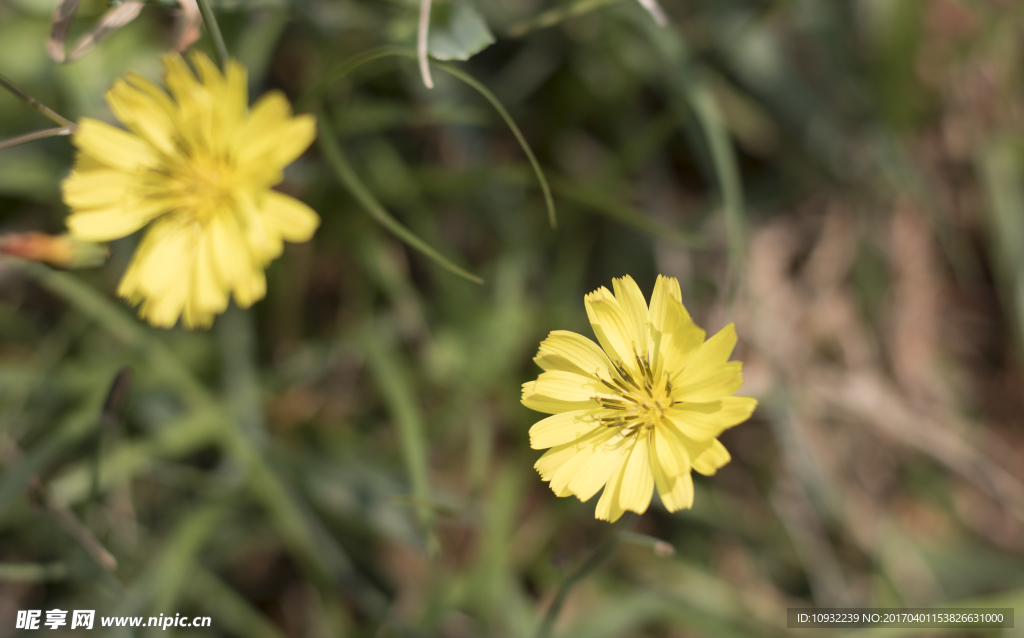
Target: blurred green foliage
{"points": [[349, 457]]}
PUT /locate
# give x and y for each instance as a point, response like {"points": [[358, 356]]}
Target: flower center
{"points": [[205, 186], [640, 401]]}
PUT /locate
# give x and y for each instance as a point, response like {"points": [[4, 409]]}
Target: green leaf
{"points": [[458, 32]]}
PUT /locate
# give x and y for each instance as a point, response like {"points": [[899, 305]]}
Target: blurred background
{"points": [[843, 179]]}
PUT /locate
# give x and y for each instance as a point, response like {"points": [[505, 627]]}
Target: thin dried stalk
{"points": [[36, 104], [421, 43], [35, 135]]}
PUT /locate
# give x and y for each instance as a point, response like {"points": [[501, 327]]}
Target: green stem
{"points": [[36, 104], [599, 556], [35, 135], [218, 38]]}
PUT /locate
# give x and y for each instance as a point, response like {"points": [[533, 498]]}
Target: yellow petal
{"points": [[273, 135], [679, 338], [585, 449], [715, 351], [97, 189], [564, 386], [288, 217], [209, 296], [103, 225], [561, 428], [179, 79], [590, 477], [143, 112], [159, 273], [611, 327], [162, 310], [555, 458], [678, 494], [227, 98], [158, 97], [194, 103], [236, 89], [670, 451], [264, 243], [570, 352], [637, 486], [608, 508], [251, 288], [270, 111], [163, 258], [231, 260], [714, 457], [116, 147], [634, 309], [701, 385], [555, 406], [707, 420], [666, 291]]}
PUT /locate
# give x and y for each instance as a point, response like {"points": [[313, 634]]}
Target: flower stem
{"points": [[218, 38], [36, 104], [35, 135], [604, 551]]}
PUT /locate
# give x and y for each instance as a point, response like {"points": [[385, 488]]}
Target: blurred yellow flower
{"points": [[642, 412], [198, 167]]}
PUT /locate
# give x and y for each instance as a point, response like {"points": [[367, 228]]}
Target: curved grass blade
{"points": [[689, 84], [316, 93], [336, 158], [490, 97]]}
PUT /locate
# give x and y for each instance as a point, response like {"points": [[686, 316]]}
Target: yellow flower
{"points": [[198, 167], [642, 412]]}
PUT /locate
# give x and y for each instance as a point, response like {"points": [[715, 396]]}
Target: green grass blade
{"points": [[727, 170], [689, 83], [500, 108], [1001, 171], [236, 332], [355, 62], [77, 425], [228, 608], [172, 574], [319, 555], [400, 397], [343, 169], [131, 458]]}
